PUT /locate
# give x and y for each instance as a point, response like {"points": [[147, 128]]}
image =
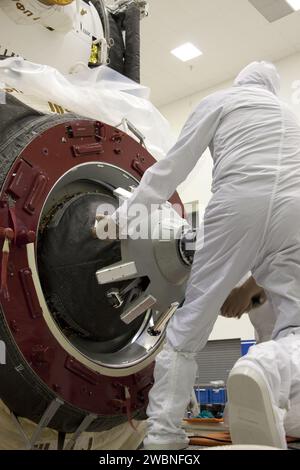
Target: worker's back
{"points": [[258, 139]]}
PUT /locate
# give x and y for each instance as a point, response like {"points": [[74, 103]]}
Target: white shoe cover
{"points": [[253, 418]]}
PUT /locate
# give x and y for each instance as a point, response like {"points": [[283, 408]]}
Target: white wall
{"points": [[197, 186]]}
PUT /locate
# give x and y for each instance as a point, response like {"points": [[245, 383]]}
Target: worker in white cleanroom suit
{"points": [[264, 385], [252, 224]]}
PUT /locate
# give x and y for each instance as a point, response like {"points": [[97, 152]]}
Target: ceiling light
{"points": [[186, 52], [294, 4], [274, 10]]}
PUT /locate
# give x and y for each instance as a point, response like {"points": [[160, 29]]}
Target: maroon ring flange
{"points": [[32, 176]]}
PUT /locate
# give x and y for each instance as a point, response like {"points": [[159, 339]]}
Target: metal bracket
{"points": [[45, 420], [81, 428], [15, 419], [116, 296], [49, 413], [163, 320], [128, 126], [116, 273], [122, 194], [137, 308]]}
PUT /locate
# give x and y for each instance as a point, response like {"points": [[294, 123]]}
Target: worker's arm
{"points": [[240, 300], [162, 179]]}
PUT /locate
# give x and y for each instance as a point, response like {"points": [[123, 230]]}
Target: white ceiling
{"points": [[230, 33]]}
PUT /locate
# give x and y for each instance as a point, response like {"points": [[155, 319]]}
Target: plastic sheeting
{"points": [[101, 94]]}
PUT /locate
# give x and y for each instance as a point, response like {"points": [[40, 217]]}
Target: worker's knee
{"points": [[183, 352]]}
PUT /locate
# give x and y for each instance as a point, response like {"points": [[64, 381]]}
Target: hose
{"points": [[133, 40], [102, 11]]}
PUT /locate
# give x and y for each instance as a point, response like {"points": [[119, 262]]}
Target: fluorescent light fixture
{"points": [[274, 10], [294, 4], [186, 52]]}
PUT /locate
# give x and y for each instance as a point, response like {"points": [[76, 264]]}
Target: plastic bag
{"points": [[100, 93]]}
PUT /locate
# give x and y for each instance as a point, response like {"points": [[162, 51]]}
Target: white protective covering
{"points": [[279, 364], [251, 223], [99, 93], [263, 320]]}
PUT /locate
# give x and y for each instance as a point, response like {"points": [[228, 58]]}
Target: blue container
{"points": [[203, 396], [218, 396], [246, 345]]}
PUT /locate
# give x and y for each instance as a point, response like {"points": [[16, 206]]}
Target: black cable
{"points": [[211, 439]]}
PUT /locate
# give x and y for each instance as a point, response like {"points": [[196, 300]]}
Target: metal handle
{"points": [[163, 320], [131, 127]]}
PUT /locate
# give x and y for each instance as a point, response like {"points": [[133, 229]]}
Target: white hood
{"points": [[263, 74]]}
